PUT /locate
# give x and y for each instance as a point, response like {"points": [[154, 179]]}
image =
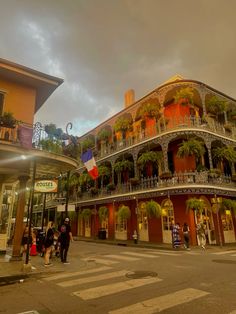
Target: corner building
{"points": [[168, 121]]}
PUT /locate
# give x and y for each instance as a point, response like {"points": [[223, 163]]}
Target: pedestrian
{"points": [[33, 249], [48, 243], [24, 241], [135, 237], [186, 234], [176, 236], [201, 234], [65, 238]]}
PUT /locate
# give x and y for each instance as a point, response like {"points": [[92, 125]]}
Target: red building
{"points": [[175, 144]]}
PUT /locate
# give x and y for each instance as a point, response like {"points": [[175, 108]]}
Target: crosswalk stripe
{"points": [[92, 279], [165, 253], [101, 261], [224, 252], [123, 258], [105, 290], [76, 273], [164, 302], [140, 254]]}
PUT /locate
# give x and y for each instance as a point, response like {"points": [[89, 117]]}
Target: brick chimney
{"points": [[129, 98]]}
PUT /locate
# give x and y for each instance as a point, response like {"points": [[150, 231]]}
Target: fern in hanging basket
{"points": [[123, 213], [153, 209], [86, 213], [103, 213], [228, 204], [195, 204]]}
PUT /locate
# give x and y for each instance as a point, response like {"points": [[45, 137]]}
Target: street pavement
{"points": [[17, 269], [128, 279]]}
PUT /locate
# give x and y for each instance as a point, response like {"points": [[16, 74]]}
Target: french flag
{"points": [[90, 164]]}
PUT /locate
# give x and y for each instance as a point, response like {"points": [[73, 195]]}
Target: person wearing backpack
{"points": [[186, 234]]}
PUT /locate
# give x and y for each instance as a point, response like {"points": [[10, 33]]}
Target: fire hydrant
{"points": [[135, 237]]}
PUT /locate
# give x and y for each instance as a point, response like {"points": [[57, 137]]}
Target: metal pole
{"points": [[218, 221], [43, 212], [67, 192], [31, 211]]}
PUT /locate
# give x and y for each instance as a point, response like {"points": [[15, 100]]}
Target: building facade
{"points": [[22, 93], [175, 147]]}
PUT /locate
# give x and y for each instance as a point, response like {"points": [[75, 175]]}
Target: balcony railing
{"points": [[177, 180], [173, 124], [20, 135]]}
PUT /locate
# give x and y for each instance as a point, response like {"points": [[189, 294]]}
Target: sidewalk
{"points": [[14, 271]]}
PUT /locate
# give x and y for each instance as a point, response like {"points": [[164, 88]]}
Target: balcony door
{"points": [[167, 220]]}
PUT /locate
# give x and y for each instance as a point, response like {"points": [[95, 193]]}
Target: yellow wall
{"points": [[19, 99]]}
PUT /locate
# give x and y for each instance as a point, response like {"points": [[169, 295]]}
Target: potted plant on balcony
{"points": [[148, 159], [7, 120], [134, 181], [153, 209], [214, 173], [89, 142], [215, 106], [104, 134], [192, 147], [224, 153], [123, 166], [103, 171], [123, 124], [111, 187], [184, 96]]}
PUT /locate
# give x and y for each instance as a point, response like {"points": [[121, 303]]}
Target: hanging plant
{"points": [[104, 134], [51, 145], [153, 209], [215, 105], [228, 204], [123, 124], [123, 213], [103, 213], [111, 187], [214, 173], [86, 213], [89, 142], [184, 96], [195, 204], [148, 111]]}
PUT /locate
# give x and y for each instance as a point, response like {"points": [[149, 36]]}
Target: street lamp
{"points": [[216, 201]]}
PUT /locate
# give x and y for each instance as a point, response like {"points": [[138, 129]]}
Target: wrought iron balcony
{"points": [[182, 179]]}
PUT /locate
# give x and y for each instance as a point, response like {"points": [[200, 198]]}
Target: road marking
{"points": [[81, 281], [162, 303], [224, 252], [123, 258], [76, 273], [192, 253], [105, 290], [100, 261], [165, 253], [29, 312], [233, 255], [140, 254]]}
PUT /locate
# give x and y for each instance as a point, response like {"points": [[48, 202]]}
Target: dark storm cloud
{"points": [[104, 47]]}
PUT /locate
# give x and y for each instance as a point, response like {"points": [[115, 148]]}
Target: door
{"points": [[228, 227], [168, 220], [143, 226], [207, 219]]}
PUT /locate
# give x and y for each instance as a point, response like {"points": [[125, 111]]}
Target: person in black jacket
{"points": [[48, 243], [65, 238]]}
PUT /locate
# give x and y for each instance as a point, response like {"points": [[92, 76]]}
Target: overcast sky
{"points": [[101, 48]]}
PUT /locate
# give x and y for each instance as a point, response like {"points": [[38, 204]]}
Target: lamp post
{"points": [[216, 201]]}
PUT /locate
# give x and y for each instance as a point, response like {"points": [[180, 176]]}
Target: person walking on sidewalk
{"points": [[48, 243], [201, 234], [65, 238], [186, 235]]}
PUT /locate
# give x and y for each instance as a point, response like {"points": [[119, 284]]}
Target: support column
{"points": [[135, 157], [208, 146], [19, 218], [202, 93], [164, 147]]}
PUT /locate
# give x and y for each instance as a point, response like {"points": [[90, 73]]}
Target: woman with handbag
{"points": [[48, 243]]}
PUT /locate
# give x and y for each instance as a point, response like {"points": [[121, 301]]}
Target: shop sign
{"points": [[46, 186]]}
